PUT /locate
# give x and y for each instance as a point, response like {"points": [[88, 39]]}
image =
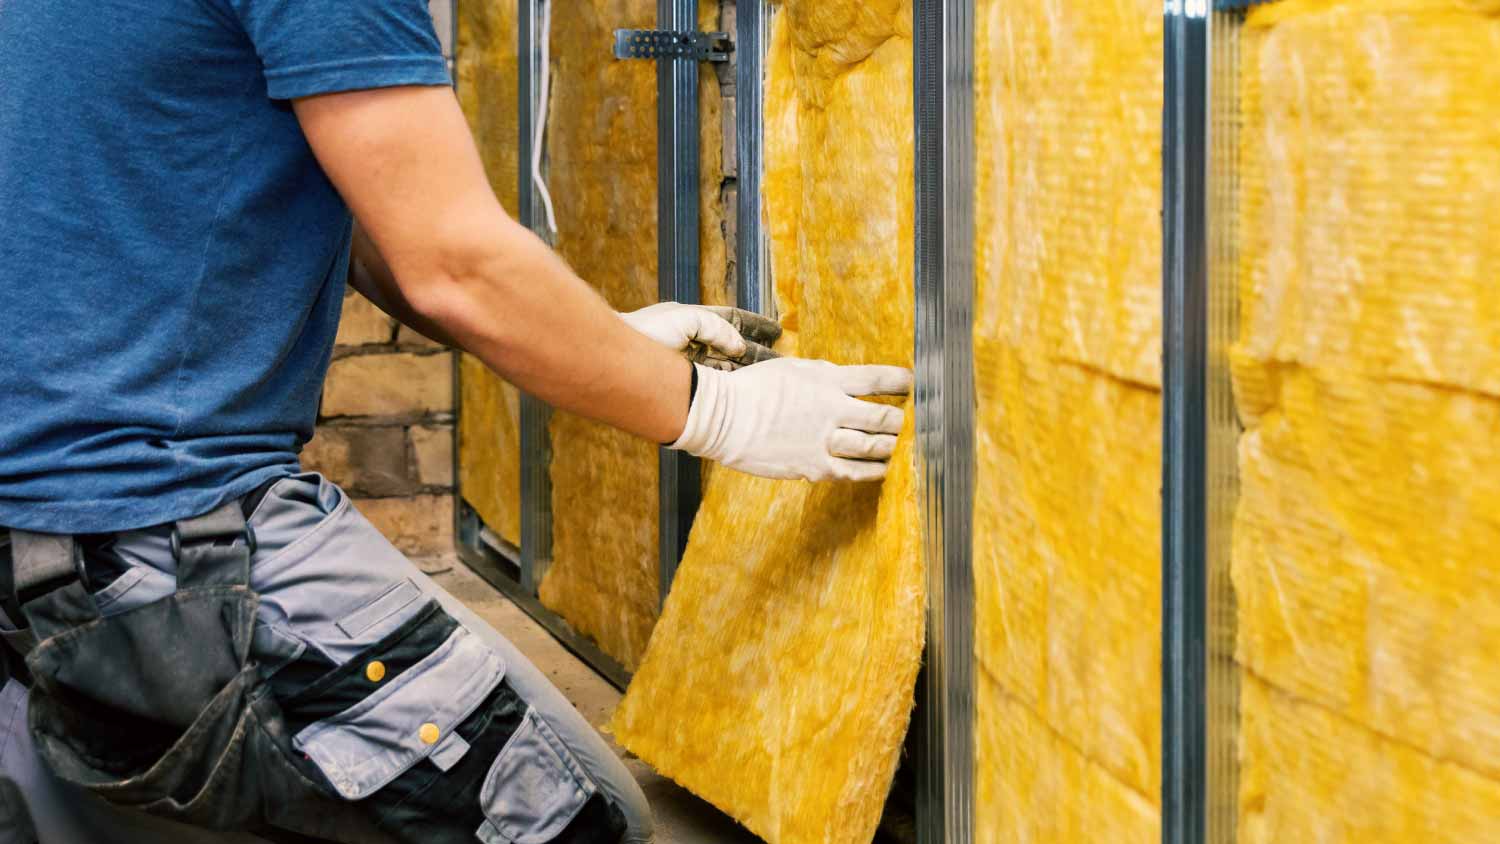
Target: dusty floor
{"points": [[681, 818]]}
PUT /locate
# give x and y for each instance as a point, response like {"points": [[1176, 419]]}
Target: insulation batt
{"points": [[489, 436], [1367, 375], [779, 683], [601, 148], [1068, 428], [489, 433]]}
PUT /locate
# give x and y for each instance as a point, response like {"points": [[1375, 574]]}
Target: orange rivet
{"points": [[429, 733]]}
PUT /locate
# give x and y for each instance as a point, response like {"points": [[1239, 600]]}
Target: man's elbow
{"points": [[458, 278]]}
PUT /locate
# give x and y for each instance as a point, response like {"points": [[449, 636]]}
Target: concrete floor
{"points": [[681, 818]]}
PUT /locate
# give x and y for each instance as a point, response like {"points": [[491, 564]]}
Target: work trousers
{"points": [[397, 699]]}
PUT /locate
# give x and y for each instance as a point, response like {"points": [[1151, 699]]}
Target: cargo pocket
{"points": [[160, 709], [422, 730], [407, 706], [535, 788]]}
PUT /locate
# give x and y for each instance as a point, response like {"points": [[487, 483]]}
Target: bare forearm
{"points": [[520, 309], [404, 161]]}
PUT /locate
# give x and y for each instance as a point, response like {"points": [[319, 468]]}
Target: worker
{"points": [[202, 642]]}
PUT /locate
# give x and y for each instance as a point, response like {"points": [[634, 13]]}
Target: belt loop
{"points": [[42, 562], [213, 549], [47, 571]]}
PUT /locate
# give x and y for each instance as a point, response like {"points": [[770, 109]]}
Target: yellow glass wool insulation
{"points": [[1314, 776], [601, 149], [779, 683], [1367, 373], [489, 434], [1068, 428], [1042, 790], [486, 67]]}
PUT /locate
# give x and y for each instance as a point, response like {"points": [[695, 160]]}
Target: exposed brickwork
{"points": [[432, 450], [385, 429], [420, 526], [406, 337], [363, 324], [366, 460], [406, 385]]}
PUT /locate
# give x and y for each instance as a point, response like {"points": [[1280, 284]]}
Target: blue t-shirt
{"points": [[172, 257]]}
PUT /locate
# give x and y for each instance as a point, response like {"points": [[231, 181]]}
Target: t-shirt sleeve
{"points": [[312, 47]]}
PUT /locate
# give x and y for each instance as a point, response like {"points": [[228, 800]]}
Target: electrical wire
{"points": [[543, 95]]}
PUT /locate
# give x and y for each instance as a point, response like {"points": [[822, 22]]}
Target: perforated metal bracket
{"points": [[672, 44]]}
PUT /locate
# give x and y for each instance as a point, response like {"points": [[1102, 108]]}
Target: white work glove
{"points": [[719, 338], [795, 418]]}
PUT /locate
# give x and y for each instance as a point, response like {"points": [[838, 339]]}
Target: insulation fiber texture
{"points": [[779, 683], [601, 148], [1068, 427], [1367, 376], [489, 434]]}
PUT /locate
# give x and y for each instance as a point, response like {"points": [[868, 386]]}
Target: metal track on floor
{"points": [[499, 563]]}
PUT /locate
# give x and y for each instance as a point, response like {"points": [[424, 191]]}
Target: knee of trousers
{"points": [[425, 731], [587, 746]]}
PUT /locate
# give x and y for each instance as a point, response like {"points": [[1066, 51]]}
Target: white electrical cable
{"points": [[543, 95]]}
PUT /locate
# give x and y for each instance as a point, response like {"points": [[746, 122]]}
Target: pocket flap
{"points": [[369, 744], [388, 603], [534, 789]]}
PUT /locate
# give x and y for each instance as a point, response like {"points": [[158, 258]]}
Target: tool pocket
{"points": [[422, 730], [406, 714], [535, 789], [160, 707]]}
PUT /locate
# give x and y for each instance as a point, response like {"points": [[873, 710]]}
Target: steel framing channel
{"points": [[752, 281], [536, 444], [1185, 320], [944, 106], [1223, 430], [494, 560], [677, 137]]}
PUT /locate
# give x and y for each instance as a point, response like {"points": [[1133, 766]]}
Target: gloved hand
{"points": [[796, 418], [719, 338]]}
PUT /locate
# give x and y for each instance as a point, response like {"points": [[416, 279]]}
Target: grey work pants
{"points": [[331, 586]]}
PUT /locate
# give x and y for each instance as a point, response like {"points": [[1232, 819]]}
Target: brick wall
{"points": [[385, 428]]}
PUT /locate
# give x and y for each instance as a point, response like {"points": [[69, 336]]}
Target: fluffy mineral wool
{"points": [[779, 682], [602, 172], [486, 67], [1068, 427], [489, 422], [1367, 373], [489, 437], [1042, 790], [1311, 775]]}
